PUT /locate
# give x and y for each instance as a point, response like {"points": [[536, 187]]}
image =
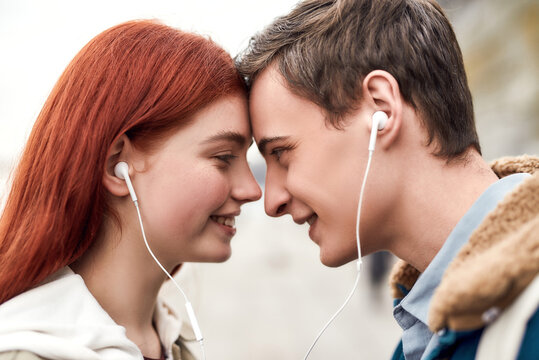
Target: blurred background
{"points": [[272, 297]]}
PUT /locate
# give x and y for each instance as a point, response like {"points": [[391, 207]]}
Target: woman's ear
{"points": [[119, 151], [381, 92]]}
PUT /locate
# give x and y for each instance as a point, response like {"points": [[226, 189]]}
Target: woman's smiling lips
{"points": [[226, 223]]}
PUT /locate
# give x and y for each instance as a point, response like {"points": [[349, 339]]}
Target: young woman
{"points": [[77, 279]]}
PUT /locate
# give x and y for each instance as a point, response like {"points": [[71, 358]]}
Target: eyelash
{"points": [[226, 158], [277, 152]]}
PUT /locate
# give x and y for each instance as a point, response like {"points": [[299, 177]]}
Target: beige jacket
{"points": [[495, 266], [178, 353], [60, 319]]}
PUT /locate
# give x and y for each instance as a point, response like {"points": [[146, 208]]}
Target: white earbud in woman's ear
{"points": [[121, 170], [379, 120]]}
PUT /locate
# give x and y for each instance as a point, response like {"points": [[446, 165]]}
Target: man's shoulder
{"points": [[514, 332], [497, 264], [517, 210], [530, 345], [479, 344]]}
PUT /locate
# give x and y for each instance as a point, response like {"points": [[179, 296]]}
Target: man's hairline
{"points": [[274, 65]]}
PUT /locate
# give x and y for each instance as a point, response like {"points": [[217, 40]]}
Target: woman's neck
{"points": [[125, 280]]}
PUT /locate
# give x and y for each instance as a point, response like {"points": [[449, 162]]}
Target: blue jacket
{"points": [[462, 345], [497, 264]]}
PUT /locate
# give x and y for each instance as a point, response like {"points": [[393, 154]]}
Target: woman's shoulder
{"points": [[19, 355]]}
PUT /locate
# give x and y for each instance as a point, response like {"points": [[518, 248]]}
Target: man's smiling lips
{"points": [[311, 220]]}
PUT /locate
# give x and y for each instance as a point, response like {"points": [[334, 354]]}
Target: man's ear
{"points": [[119, 151], [381, 93]]}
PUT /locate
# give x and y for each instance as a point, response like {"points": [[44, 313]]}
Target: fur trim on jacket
{"points": [[495, 266]]}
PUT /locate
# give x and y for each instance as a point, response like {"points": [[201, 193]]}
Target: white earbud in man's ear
{"points": [[121, 170], [379, 120]]}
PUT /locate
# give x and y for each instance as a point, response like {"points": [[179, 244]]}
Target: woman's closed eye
{"points": [[226, 158]]}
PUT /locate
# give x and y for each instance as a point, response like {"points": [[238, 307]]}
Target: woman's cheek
{"points": [[213, 187], [189, 203]]}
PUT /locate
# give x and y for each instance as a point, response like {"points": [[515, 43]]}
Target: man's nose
{"points": [[276, 198]]}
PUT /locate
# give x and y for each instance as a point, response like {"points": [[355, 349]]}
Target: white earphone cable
{"points": [[356, 282], [371, 152], [152, 254], [333, 317], [188, 305]]}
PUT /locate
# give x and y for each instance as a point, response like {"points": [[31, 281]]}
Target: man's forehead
{"points": [[267, 87], [271, 128], [268, 105], [271, 75], [277, 113]]}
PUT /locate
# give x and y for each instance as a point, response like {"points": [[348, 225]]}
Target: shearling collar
{"points": [[498, 262]]}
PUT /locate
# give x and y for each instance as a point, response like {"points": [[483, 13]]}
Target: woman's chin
{"points": [[222, 257], [216, 255]]}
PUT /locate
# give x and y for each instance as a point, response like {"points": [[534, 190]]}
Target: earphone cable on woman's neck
{"points": [[188, 306], [121, 170]]}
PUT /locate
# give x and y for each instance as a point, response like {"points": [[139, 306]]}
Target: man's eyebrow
{"points": [[267, 140], [231, 136]]}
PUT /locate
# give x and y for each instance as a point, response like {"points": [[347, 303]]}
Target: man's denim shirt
{"points": [[411, 312]]}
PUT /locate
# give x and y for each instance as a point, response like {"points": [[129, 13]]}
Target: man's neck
{"points": [[433, 202]]}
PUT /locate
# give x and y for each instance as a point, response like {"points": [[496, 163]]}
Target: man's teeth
{"points": [[228, 221], [312, 219]]}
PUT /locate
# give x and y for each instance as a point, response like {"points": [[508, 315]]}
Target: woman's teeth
{"points": [[223, 220]]}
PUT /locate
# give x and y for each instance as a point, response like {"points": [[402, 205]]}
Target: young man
{"points": [[317, 76]]}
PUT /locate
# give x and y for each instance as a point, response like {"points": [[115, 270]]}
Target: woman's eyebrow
{"points": [[231, 136]]}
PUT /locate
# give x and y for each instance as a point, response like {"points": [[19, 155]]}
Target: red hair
{"points": [[140, 78]]}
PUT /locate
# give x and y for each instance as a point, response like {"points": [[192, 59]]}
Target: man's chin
{"points": [[334, 259]]}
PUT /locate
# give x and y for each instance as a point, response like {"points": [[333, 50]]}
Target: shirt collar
{"points": [[418, 299]]}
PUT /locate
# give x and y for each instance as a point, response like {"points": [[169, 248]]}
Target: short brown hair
{"points": [[325, 48]]}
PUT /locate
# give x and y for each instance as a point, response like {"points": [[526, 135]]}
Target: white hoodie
{"points": [[60, 319]]}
